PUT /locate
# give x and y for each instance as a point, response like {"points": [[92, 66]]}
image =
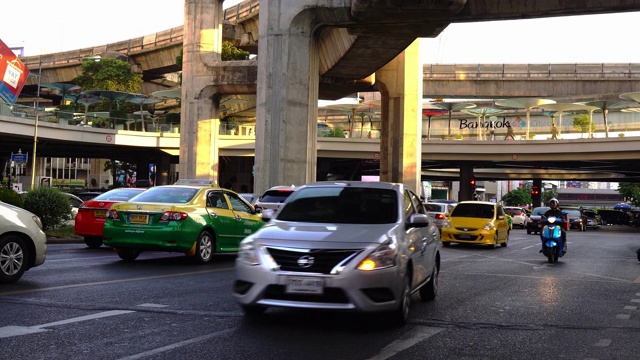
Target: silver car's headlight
{"points": [[248, 253], [383, 256], [489, 226]]}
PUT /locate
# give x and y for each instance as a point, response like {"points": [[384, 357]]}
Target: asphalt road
{"points": [[506, 303]]}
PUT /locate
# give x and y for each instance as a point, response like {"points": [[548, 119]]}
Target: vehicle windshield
{"points": [[341, 205], [118, 195], [540, 210], [483, 211], [435, 207], [573, 213], [275, 196], [513, 212], [166, 195]]}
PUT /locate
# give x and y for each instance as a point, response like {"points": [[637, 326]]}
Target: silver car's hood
{"points": [[279, 232]]}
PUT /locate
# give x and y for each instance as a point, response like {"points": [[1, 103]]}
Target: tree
{"points": [[582, 123], [108, 74], [630, 191], [519, 196]]}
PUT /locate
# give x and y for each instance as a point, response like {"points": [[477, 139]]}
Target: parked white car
{"points": [[23, 244]]}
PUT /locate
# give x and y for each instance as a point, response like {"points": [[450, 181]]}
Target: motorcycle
{"points": [[552, 245]]}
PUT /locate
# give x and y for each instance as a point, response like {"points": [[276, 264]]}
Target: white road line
{"points": [[401, 345], [603, 342], [10, 331], [176, 345]]}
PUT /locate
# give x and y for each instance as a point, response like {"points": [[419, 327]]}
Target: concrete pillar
{"points": [[163, 167], [287, 97], [400, 85], [200, 102]]}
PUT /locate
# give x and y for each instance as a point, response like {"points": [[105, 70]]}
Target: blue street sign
{"points": [[19, 158]]}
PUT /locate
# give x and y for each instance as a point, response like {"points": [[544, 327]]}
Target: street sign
{"points": [[19, 158]]}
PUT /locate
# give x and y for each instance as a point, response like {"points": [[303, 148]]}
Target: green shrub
{"points": [[10, 197], [50, 204]]}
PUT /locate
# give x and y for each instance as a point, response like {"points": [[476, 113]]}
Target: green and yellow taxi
{"points": [[195, 217]]}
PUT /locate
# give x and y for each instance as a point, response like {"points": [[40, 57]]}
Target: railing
{"points": [[530, 71], [242, 10]]}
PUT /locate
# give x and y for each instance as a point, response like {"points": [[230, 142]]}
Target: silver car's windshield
{"points": [[341, 205]]}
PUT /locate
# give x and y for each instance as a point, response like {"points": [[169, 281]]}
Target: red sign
{"points": [[13, 74]]}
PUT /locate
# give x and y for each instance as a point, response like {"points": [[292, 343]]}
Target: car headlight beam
{"points": [[384, 256]]}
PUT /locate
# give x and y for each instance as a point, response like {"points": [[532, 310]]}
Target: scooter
{"points": [[552, 245]]}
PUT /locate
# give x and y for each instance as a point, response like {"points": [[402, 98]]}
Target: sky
{"points": [[54, 26]]}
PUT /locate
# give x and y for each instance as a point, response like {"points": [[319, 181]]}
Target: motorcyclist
{"points": [[555, 211]]}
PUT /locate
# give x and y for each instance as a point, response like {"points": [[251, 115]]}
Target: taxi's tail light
{"points": [[113, 214], [440, 217], [173, 215]]}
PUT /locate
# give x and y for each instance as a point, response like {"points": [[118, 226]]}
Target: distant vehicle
{"points": [[576, 221], [533, 223], [518, 214], [93, 213], [438, 212], [477, 222], [88, 195], [274, 197], [251, 198], [614, 217], [342, 246], [75, 205], [23, 244], [594, 221], [197, 218]]}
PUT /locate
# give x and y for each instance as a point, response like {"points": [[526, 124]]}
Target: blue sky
{"points": [[53, 26]]}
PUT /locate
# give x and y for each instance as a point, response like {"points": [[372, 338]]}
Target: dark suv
{"points": [[533, 222]]}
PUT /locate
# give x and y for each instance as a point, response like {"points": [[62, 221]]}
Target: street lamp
{"points": [[35, 128]]}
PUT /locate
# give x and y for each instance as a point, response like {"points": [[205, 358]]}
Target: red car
{"points": [[92, 214]]}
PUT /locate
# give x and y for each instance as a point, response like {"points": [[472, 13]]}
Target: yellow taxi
{"points": [[195, 217], [477, 222]]}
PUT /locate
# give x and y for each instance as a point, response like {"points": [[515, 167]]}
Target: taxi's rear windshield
{"points": [[166, 195]]}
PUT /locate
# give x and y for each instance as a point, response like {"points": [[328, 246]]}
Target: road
{"points": [[506, 303]]}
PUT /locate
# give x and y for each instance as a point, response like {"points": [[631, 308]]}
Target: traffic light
{"points": [[535, 191], [472, 184]]}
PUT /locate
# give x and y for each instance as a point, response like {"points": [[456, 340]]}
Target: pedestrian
{"points": [[510, 134]]}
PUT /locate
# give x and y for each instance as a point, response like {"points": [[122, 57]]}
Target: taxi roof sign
{"points": [[198, 182]]}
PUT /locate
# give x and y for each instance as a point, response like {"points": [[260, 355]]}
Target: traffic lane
{"points": [[499, 293], [446, 318]]}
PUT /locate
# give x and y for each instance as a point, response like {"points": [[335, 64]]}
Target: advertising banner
{"points": [[13, 74]]}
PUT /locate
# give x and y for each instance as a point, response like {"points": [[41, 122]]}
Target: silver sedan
{"points": [[349, 246]]}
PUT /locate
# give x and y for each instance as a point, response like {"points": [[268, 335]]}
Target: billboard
{"points": [[13, 74]]}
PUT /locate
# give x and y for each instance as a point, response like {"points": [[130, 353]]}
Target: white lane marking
{"points": [[635, 300], [401, 345], [623, 316], [637, 281], [176, 345], [630, 308], [603, 342], [528, 247], [153, 305], [10, 331]]}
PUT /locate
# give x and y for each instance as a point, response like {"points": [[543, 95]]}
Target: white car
{"points": [[347, 246], [518, 214], [23, 244], [274, 197]]}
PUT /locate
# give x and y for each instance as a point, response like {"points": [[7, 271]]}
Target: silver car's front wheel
{"points": [[13, 259], [401, 314]]}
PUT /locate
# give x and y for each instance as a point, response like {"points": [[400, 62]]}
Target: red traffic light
{"points": [[472, 182], [534, 190]]}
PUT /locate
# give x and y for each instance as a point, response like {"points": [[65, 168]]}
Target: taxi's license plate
{"points": [[139, 219], [304, 285], [464, 236], [100, 213]]}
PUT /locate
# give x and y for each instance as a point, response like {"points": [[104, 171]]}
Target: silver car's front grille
{"points": [[311, 261]]}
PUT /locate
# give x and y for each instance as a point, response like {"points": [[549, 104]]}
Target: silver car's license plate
{"points": [[304, 285]]}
